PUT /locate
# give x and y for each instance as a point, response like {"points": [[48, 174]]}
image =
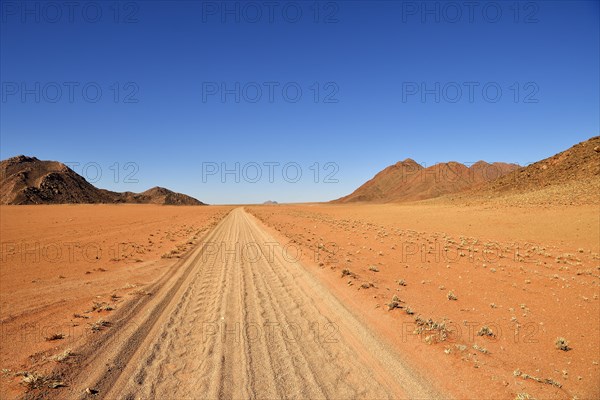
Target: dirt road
{"points": [[242, 319]]}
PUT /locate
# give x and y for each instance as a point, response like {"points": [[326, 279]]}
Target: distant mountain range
{"points": [[577, 168], [573, 174], [27, 180], [410, 181]]}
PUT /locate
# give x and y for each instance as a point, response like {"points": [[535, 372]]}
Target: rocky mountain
{"points": [[410, 181], [27, 180], [569, 177]]}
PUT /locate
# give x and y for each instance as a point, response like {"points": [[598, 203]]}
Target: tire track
{"points": [[247, 322]]}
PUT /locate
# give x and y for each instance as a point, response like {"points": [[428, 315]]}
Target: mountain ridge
{"points": [[28, 180], [408, 181]]}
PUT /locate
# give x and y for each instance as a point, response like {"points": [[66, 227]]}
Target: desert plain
{"points": [[422, 300]]}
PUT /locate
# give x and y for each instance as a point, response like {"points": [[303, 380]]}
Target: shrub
{"points": [[562, 344], [55, 336], [485, 331], [395, 303], [98, 325], [480, 349]]}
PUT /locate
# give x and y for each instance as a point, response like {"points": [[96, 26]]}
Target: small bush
{"points": [[33, 380], [102, 306], [485, 331], [63, 356], [55, 336], [480, 349], [99, 325], [451, 296], [395, 303], [439, 331], [373, 268], [562, 344], [524, 396]]}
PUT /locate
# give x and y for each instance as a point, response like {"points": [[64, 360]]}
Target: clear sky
{"points": [[184, 89]]}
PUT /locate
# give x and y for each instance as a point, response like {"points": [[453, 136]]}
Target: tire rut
{"points": [[259, 326]]}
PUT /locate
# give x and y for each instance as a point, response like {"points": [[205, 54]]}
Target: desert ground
{"points": [[422, 300], [530, 274], [59, 262]]}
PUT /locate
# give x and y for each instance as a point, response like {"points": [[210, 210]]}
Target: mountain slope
{"points": [[409, 181], [569, 177], [27, 180], [578, 163]]}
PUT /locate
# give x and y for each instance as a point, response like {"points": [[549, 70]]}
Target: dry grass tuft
{"points": [[395, 303], [33, 380], [548, 381], [437, 331], [102, 306], [480, 349], [99, 325], [63, 356], [524, 396], [485, 331], [55, 336], [562, 344]]}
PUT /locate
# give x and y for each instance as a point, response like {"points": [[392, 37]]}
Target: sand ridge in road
{"points": [[540, 281], [200, 345]]}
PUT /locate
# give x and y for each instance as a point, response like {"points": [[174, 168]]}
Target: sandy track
{"points": [[241, 319]]}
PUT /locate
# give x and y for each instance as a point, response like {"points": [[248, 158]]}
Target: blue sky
{"points": [[379, 82]]}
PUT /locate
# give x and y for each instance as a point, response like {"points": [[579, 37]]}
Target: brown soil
{"points": [[58, 260], [530, 274]]}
